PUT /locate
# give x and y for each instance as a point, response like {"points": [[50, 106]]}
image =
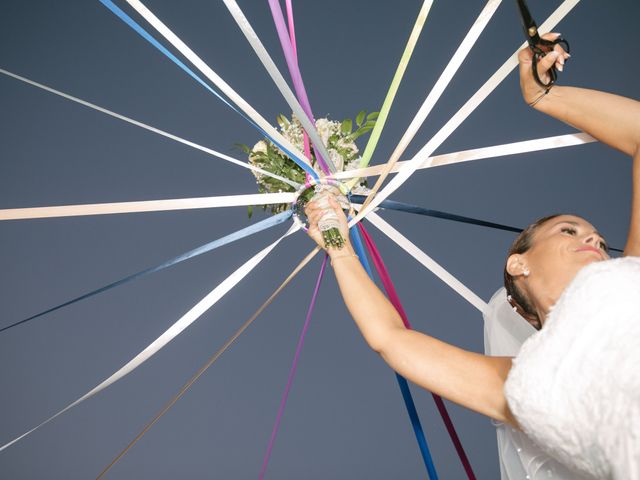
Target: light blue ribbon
{"points": [[207, 247]]}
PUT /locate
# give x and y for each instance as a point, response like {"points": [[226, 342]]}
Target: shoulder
{"points": [[574, 382], [609, 287]]}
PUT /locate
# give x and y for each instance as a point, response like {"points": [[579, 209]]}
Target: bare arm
{"points": [[470, 379], [612, 119]]}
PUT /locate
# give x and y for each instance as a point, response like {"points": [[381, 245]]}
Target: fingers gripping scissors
{"points": [[539, 46]]}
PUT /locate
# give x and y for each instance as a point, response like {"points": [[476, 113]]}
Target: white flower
{"points": [[260, 147], [336, 159]]}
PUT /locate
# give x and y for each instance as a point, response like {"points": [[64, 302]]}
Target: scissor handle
{"points": [[538, 53]]}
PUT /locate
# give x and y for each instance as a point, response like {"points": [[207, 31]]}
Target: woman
{"points": [[598, 438]]}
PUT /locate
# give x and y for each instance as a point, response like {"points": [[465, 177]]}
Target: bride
{"points": [[567, 404]]}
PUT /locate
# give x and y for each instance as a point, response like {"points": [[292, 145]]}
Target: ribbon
{"points": [[292, 37], [526, 146], [207, 247], [437, 90], [187, 319], [402, 383], [395, 301], [147, 206], [292, 371], [427, 261], [408, 208], [149, 128], [290, 55], [211, 361], [393, 88], [249, 113], [476, 99]]}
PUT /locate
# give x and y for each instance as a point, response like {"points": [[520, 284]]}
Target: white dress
{"points": [[574, 387], [519, 457]]}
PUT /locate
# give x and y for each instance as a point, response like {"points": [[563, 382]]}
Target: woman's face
{"points": [[560, 248]]}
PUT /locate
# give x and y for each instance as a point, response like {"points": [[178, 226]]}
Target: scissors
{"points": [[539, 46]]}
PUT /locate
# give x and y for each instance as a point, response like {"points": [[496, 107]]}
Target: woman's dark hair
{"points": [[516, 297]]}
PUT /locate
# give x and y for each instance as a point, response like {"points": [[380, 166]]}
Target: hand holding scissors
{"points": [[541, 46]]}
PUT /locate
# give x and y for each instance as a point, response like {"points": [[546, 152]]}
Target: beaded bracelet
{"points": [[546, 90]]}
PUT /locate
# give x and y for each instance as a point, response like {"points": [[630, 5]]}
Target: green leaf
{"points": [[360, 132], [282, 121], [360, 117], [369, 123], [243, 147], [250, 210], [346, 126], [373, 115]]}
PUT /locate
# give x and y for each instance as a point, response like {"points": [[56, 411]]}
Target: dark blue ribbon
{"points": [[356, 240], [144, 34], [207, 247], [407, 207]]}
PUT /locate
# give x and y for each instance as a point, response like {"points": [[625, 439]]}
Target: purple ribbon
{"points": [[290, 55], [292, 372]]}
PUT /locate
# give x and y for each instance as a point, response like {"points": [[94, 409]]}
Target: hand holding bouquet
{"points": [[327, 221]]}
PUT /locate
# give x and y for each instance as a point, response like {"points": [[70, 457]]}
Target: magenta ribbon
{"points": [[292, 371], [395, 301], [287, 41]]}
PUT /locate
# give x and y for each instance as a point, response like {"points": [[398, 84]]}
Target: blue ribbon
{"points": [[417, 427], [144, 34], [207, 247], [408, 208], [356, 240]]}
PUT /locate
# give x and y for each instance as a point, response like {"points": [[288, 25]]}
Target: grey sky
{"points": [[345, 417]]}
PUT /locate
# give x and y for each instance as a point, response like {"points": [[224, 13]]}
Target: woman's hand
{"points": [[531, 90], [314, 213]]}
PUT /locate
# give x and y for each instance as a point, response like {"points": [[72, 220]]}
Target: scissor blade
{"points": [[528, 23]]}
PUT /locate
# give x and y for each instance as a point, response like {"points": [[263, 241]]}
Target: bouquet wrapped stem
{"points": [[329, 224]]}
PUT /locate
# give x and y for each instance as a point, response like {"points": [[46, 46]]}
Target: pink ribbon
{"points": [[287, 41], [395, 301]]}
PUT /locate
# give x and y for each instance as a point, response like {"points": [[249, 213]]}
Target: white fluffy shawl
{"points": [[575, 385]]}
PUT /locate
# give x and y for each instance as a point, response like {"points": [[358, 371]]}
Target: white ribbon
{"points": [[446, 76], [423, 155], [279, 80], [427, 261], [480, 153], [150, 128], [172, 332], [147, 206], [213, 76]]}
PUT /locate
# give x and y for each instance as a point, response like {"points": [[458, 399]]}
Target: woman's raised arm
{"points": [[470, 379], [612, 119]]}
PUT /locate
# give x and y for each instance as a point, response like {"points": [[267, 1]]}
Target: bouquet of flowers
{"points": [[338, 137]]}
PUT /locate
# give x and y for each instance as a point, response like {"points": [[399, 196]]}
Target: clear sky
{"points": [[345, 417]]}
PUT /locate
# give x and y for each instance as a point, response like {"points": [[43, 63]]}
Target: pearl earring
{"points": [[526, 272]]}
